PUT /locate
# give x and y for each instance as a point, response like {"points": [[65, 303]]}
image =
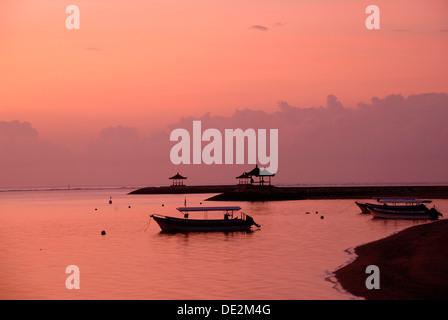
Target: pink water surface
{"points": [[292, 255]]}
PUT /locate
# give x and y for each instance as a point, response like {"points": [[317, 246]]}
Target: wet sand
{"points": [[413, 265]]}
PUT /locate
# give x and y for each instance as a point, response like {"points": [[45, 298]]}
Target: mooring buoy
{"points": [[103, 233]]}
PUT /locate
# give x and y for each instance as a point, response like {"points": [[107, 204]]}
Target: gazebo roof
{"points": [[265, 172], [257, 172], [243, 176], [178, 176], [254, 172]]}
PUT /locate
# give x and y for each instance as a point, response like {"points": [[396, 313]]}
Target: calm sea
{"points": [[292, 255]]}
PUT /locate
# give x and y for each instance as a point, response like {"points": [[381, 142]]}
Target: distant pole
{"points": [[185, 202]]}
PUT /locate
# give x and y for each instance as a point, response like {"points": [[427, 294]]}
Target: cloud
{"points": [[393, 139], [17, 130], [26, 160], [259, 28], [121, 155]]}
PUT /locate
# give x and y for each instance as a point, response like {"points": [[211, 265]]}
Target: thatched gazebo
{"points": [[178, 180], [244, 179], [260, 174]]}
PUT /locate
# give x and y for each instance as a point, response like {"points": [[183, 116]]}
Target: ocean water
{"points": [[292, 256]]}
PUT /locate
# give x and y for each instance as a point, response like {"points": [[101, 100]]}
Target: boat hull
{"points": [[409, 216], [401, 212], [172, 224]]}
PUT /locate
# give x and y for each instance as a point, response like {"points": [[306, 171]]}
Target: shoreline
{"points": [[272, 193], [413, 265]]}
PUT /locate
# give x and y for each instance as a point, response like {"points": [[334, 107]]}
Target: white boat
{"points": [[364, 209], [403, 208], [228, 223]]}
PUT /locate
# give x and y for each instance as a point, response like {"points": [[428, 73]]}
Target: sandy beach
{"points": [[413, 265]]}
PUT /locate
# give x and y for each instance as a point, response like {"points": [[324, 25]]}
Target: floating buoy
{"points": [[129, 207], [110, 200], [163, 205], [103, 233], [307, 212], [321, 217], [316, 212], [96, 209]]}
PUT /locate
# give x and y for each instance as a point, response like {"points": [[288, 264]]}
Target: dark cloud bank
{"points": [[394, 139]]}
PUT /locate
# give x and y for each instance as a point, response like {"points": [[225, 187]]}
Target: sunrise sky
{"points": [[136, 68]]}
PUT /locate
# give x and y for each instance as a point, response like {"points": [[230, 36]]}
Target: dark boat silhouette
{"points": [[228, 223], [410, 208]]}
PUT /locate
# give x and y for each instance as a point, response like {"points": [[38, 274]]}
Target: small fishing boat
{"points": [[401, 208], [363, 206], [228, 223]]}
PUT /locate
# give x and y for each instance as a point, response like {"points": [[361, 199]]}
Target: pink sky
{"points": [[147, 64]]}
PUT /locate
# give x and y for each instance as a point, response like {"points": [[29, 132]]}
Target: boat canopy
{"points": [[394, 198], [402, 200], [187, 209]]}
